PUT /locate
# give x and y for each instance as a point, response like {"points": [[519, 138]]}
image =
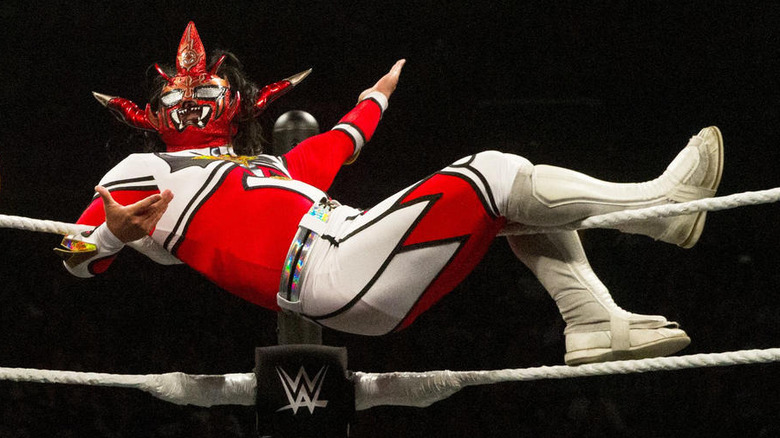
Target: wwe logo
{"points": [[302, 391]]}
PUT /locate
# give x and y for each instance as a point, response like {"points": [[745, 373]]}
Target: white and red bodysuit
{"points": [[263, 227], [233, 219]]}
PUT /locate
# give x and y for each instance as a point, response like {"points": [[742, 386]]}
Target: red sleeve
{"points": [[317, 160], [94, 214]]}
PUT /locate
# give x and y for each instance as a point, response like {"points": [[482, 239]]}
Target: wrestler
{"points": [[262, 227]]}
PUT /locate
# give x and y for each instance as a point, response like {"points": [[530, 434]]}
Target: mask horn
{"points": [[191, 55], [162, 73], [126, 111], [217, 65], [271, 92]]}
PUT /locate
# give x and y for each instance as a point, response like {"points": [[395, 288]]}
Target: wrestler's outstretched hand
{"points": [[134, 221], [387, 83]]}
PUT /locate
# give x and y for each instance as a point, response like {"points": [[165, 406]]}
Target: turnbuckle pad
{"points": [[303, 391]]}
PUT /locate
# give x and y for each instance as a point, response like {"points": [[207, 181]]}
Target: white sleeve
{"points": [[150, 248], [80, 252]]}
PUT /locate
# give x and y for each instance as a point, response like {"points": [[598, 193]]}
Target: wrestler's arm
{"points": [[128, 223], [129, 220], [318, 159]]}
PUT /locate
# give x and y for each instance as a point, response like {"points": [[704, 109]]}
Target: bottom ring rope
{"points": [[419, 389]]}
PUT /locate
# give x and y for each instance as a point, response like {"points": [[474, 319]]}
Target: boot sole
{"points": [[662, 347], [701, 217]]}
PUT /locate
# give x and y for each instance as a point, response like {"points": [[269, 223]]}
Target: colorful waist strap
{"points": [[310, 228]]}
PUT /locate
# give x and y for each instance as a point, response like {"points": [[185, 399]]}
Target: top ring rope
{"points": [[601, 221], [418, 389], [619, 217], [145, 245], [41, 225]]}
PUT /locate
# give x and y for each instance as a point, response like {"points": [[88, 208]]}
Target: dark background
{"points": [[614, 89]]}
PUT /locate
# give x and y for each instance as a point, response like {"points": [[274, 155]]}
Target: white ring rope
{"points": [[609, 220], [145, 245], [178, 388], [601, 221], [406, 388], [418, 389], [423, 389], [41, 225]]}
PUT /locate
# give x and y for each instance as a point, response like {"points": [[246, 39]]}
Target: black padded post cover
{"points": [[303, 391]]}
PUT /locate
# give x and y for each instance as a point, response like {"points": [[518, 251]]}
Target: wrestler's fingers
{"points": [[157, 209], [167, 195], [146, 203], [105, 195], [387, 83], [150, 221], [160, 202], [395, 71]]}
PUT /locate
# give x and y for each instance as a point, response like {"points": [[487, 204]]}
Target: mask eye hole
{"points": [[209, 92], [171, 98]]}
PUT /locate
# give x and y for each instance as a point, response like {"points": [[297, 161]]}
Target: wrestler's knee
{"points": [[498, 170], [492, 159]]}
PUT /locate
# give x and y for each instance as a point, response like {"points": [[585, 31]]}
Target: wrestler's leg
{"points": [[551, 196], [497, 184], [375, 271], [597, 329]]}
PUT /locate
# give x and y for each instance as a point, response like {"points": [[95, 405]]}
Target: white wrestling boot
{"points": [[624, 340], [702, 181], [553, 196], [597, 329]]}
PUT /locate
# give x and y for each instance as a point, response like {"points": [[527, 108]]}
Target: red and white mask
{"points": [[197, 106]]}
